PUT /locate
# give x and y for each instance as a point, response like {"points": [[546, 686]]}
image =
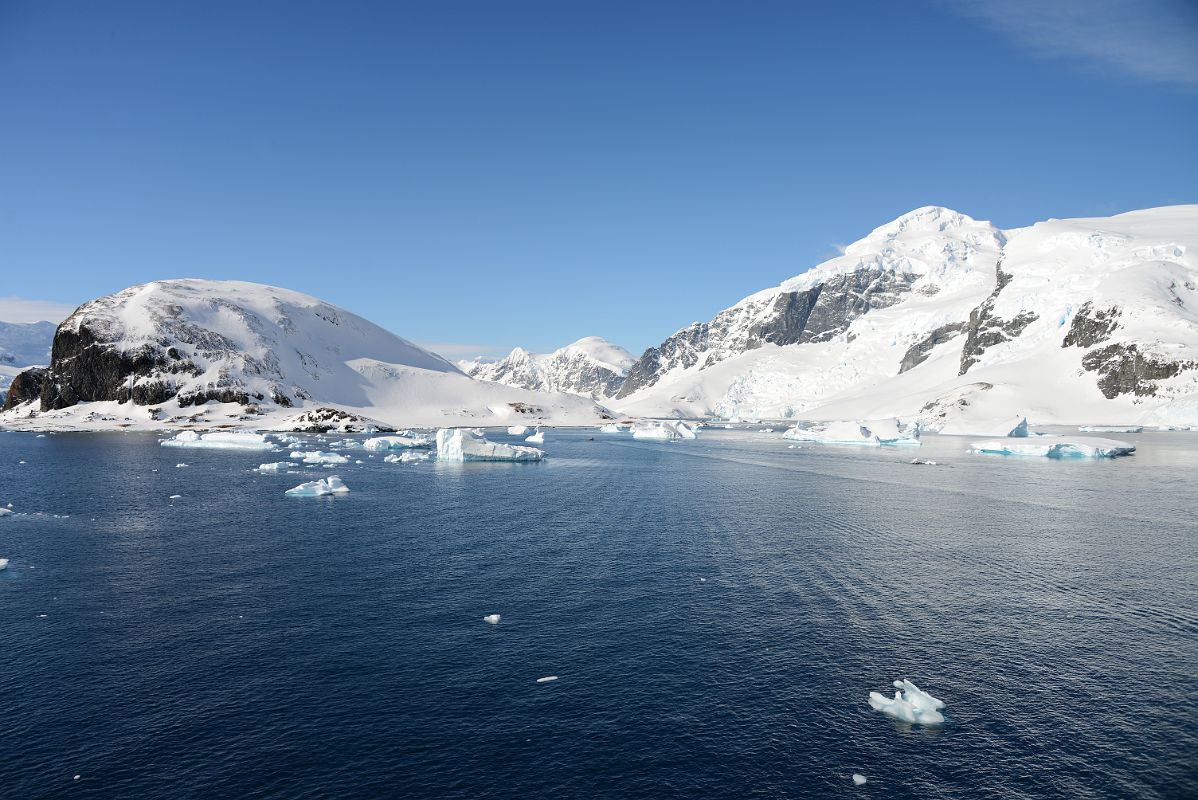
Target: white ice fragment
{"points": [[547, 678], [517, 430], [538, 437], [3, 563], [175, 497], [223, 440], [275, 466], [180, 466], [671, 430], [909, 704], [927, 462], [406, 457], [611, 427], [4, 512], [491, 619], [459, 444], [1049, 446], [326, 459], [329, 485], [859, 779], [1111, 428], [396, 442]]}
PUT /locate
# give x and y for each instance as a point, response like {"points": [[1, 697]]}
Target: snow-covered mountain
{"points": [[592, 366], [937, 315], [175, 346], [23, 344]]}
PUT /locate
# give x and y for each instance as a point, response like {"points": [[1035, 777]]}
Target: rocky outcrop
{"points": [[918, 353], [1125, 369], [1091, 326], [25, 388], [817, 314], [986, 329]]}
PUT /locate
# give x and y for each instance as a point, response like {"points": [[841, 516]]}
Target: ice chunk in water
{"points": [[517, 430], [3, 563], [859, 779], [396, 442], [327, 459], [491, 619], [275, 466], [406, 457], [224, 440], [611, 427], [909, 704], [329, 485], [665, 430], [1056, 447], [547, 679], [458, 444], [537, 438]]}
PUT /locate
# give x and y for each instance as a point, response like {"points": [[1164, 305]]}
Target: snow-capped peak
{"points": [[591, 366]]}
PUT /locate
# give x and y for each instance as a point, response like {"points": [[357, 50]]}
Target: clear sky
{"points": [[479, 175]]}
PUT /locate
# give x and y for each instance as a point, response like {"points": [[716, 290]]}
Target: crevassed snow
{"points": [[219, 440], [459, 444], [396, 442], [909, 704], [324, 486], [1056, 447]]}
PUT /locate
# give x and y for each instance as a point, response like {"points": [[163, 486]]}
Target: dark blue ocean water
{"points": [[717, 612]]}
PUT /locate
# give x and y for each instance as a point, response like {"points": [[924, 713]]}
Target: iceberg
{"points": [[537, 438], [275, 466], [396, 442], [406, 457], [224, 440], [327, 459], [1007, 426], [1056, 447], [834, 433], [3, 563], [491, 619], [892, 432], [1111, 428], [329, 485], [517, 430], [859, 779], [547, 679], [666, 430], [909, 704], [4, 512], [611, 427], [459, 444]]}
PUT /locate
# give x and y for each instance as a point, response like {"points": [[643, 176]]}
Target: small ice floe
{"points": [[459, 444], [329, 485], [4, 512], [909, 704], [547, 679], [925, 461], [517, 430], [40, 436], [1056, 447], [702, 580], [610, 427], [222, 440], [766, 430], [175, 497], [324, 459], [396, 442], [180, 465], [3, 563], [1111, 428], [538, 437], [276, 466], [491, 619], [20, 462], [859, 779], [407, 457]]}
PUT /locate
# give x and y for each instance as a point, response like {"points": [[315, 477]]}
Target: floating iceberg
{"points": [[1056, 447], [537, 438], [327, 459], [547, 679], [1007, 426], [892, 432], [459, 444], [275, 466], [1111, 428], [909, 704], [611, 427], [329, 485], [666, 430], [491, 619], [873, 433], [4, 512], [223, 440], [396, 442], [517, 430], [406, 457], [859, 779], [3, 563]]}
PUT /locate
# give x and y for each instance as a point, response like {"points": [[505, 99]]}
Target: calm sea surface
{"points": [[716, 612]]}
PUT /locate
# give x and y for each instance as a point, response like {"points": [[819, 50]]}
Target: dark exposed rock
{"points": [[817, 314], [1091, 327], [1124, 369], [986, 329], [918, 353], [325, 419], [25, 387]]}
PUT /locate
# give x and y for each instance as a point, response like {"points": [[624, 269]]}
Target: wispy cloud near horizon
{"points": [[19, 309], [1148, 40]]}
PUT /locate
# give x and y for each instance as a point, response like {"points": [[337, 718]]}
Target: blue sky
{"points": [[478, 175]]}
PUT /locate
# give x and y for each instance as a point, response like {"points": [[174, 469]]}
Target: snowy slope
{"points": [[178, 345], [1066, 321], [592, 366]]}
